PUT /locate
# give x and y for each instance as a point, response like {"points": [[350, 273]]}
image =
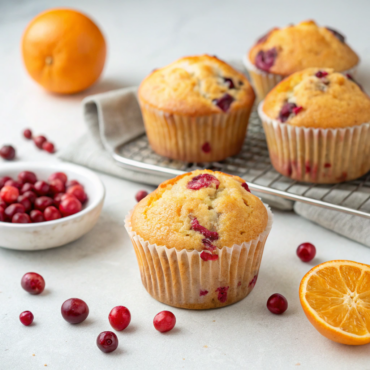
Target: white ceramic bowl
{"points": [[55, 233]]}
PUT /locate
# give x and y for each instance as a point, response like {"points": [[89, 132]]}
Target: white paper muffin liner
{"points": [[196, 139], [183, 279], [263, 82], [322, 156]]}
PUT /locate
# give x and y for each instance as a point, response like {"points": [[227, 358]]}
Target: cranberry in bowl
{"points": [[52, 231]]}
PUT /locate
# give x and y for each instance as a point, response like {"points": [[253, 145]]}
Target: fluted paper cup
{"points": [[321, 156], [183, 279], [196, 139], [263, 82]]}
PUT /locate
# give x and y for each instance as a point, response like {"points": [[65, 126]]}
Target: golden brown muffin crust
{"points": [[190, 85], [305, 45], [333, 101], [165, 216]]}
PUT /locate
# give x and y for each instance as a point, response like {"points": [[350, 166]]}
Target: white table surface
{"points": [[101, 267]]}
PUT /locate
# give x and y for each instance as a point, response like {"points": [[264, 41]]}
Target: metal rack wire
{"points": [[253, 164]]}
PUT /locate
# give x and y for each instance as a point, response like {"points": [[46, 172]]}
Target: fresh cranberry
{"points": [[205, 256], [39, 140], [33, 283], [229, 83], [42, 187], [60, 176], [141, 194], [119, 318], [25, 201], [71, 183], [107, 341], [48, 147], [9, 194], [224, 102], [2, 214], [265, 59], [74, 310], [7, 152], [27, 177], [288, 109], [246, 187], [206, 148], [222, 293], [204, 180], [43, 202], [3, 180], [57, 186], [164, 321], [58, 198], [21, 218], [338, 35], [37, 216], [27, 187], [26, 318], [79, 192], [321, 74], [211, 235], [69, 206], [3, 204], [277, 304], [27, 133], [306, 252], [14, 208], [30, 195], [14, 183], [51, 213]]}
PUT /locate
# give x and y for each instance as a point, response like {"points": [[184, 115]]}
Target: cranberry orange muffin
{"points": [[284, 51], [196, 109], [199, 239], [317, 127]]}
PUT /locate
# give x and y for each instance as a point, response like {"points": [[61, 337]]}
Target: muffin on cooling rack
{"points": [[199, 239], [284, 51], [196, 109], [317, 127]]}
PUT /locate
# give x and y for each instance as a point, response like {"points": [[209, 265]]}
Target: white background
{"points": [[101, 267]]}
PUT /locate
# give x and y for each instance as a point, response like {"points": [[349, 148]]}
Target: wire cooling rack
{"points": [[253, 164]]}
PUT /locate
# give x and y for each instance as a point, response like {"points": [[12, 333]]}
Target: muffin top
{"points": [[318, 98], [196, 85], [200, 210], [291, 49]]}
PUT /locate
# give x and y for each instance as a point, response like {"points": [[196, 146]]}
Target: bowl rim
{"points": [[56, 167]]}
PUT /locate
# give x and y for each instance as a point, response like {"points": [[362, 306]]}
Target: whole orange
{"points": [[63, 50]]}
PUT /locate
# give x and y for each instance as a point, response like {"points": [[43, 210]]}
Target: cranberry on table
{"points": [[26, 318], [107, 341], [58, 175], [39, 140], [27, 176], [141, 194], [74, 310], [9, 194], [119, 318], [27, 187], [14, 183], [306, 252], [7, 152], [13, 209], [69, 205], [3, 180], [42, 187], [27, 133], [26, 202], [164, 321], [42, 202], [79, 192], [48, 147], [30, 195], [51, 213], [37, 216], [21, 218], [277, 304], [33, 283]]}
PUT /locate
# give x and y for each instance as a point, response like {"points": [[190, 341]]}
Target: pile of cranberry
{"points": [[75, 311], [28, 200]]}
